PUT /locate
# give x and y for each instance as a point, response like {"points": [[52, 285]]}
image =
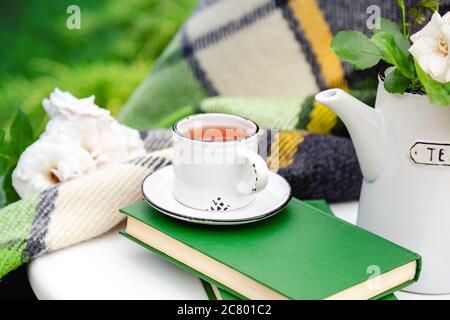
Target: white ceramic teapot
{"points": [[403, 147]]}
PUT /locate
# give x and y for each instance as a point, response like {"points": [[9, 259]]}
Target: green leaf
{"points": [[21, 134], [3, 153], [437, 92], [2, 193], [391, 27], [391, 53], [412, 11], [430, 4], [396, 82], [10, 193], [355, 48], [365, 90], [3, 142], [3, 165]]}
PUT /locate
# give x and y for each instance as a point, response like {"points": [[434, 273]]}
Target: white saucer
{"points": [[157, 191]]}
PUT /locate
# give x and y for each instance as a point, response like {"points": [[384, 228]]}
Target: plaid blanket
{"points": [[317, 166], [258, 49]]}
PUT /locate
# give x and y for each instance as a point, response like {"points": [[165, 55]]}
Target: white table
{"points": [[112, 267]]}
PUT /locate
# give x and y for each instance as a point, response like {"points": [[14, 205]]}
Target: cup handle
{"points": [[260, 169]]}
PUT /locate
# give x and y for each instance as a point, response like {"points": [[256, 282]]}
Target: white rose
{"points": [[49, 161], [65, 104], [79, 138], [106, 140], [84, 131], [430, 47], [130, 137]]}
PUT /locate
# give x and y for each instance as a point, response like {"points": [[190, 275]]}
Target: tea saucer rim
{"points": [[215, 221]]}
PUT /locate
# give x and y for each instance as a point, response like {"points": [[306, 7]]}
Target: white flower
{"points": [[106, 140], [129, 137], [430, 47], [49, 161], [79, 138], [83, 131], [65, 104]]}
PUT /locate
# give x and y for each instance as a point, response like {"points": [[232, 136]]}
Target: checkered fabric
{"points": [[257, 49]]}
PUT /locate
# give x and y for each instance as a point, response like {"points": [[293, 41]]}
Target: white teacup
{"points": [[215, 174]]}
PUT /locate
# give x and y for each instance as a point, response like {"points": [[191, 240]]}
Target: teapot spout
{"points": [[365, 127]]}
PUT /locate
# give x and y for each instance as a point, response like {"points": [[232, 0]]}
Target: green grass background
{"points": [[109, 56]]}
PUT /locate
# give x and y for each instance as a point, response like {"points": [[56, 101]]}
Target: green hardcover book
{"points": [[215, 293], [389, 297], [300, 253]]}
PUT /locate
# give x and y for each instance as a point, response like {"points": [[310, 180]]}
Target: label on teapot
{"points": [[428, 153]]}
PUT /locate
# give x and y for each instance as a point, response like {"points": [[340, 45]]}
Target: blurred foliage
{"points": [[110, 82], [110, 29], [112, 52]]}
